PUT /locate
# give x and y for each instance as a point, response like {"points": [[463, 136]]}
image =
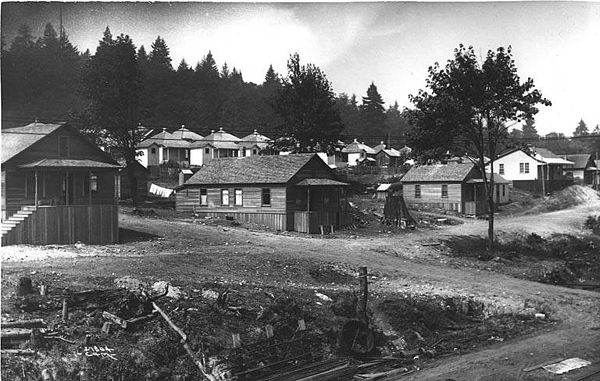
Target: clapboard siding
{"points": [[96, 224], [274, 219], [431, 195], [188, 199]]}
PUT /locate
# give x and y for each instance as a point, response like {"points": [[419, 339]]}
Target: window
{"points": [[207, 151], [266, 197], [243, 151], [444, 191], [523, 167], [503, 190], [254, 151], [224, 197], [238, 197], [186, 153], [63, 146], [152, 150], [203, 197], [501, 169], [417, 191], [93, 183]]}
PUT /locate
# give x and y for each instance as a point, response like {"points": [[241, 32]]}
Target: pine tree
{"points": [[208, 66], [183, 67], [23, 40], [225, 71], [529, 130], [159, 57], [596, 130], [271, 78], [581, 130], [372, 113]]}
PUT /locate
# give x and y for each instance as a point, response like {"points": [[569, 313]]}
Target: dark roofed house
{"points": [[583, 168], [453, 186], [287, 192], [57, 187]]}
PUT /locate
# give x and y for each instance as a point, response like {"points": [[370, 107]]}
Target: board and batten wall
{"points": [[431, 195], [251, 210], [67, 224]]}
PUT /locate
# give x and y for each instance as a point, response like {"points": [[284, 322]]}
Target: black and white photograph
{"points": [[300, 191]]}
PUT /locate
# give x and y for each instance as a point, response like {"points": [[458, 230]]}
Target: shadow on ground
{"points": [[129, 235]]}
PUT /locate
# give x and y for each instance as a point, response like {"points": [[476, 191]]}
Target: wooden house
{"points": [[167, 147], [217, 144], [57, 187], [285, 192], [358, 153], [140, 173], [538, 171], [387, 157], [583, 168], [252, 144], [454, 186]]}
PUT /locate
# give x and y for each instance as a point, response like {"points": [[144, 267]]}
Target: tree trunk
{"points": [[491, 205]]}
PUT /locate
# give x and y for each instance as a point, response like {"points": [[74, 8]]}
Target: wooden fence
{"points": [[90, 224], [310, 222], [274, 220]]}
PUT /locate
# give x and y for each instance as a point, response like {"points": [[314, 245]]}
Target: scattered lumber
{"points": [[333, 374], [543, 364], [115, 319], [17, 333], [18, 352], [33, 323]]}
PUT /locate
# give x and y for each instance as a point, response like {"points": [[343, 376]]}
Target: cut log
{"points": [[18, 352]]}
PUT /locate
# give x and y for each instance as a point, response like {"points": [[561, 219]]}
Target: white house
{"points": [[530, 170], [358, 152], [217, 144], [252, 144]]}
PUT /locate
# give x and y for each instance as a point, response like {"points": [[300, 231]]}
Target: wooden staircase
{"points": [[15, 220]]}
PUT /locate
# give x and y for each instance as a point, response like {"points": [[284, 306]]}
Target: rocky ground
{"points": [[438, 311]]}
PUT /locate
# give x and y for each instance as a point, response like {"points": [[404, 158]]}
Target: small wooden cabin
{"points": [[140, 174], [454, 186], [57, 187], [285, 192]]}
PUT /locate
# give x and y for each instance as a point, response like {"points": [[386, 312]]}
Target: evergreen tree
{"points": [[159, 57], [225, 71], [142, 56], [395, 123], [350, 116], [372, 113], [581, 130], [208, 66], [112, 83], [596, 130], [23, 40], [529, 130], [183, 67], [306, 104], [271, 78]]}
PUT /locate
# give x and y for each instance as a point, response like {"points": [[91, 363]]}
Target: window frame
{"points": [[417, 190], [444, 190], [224, 194], [241, 197], [263, 193], [205, 201], [501, 168]]}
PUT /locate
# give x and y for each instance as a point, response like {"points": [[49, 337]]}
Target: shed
{"points": [[57, 187], [285, 192], [381, 191]]}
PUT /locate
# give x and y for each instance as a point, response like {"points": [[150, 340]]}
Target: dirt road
{"points": [[181, 252]]}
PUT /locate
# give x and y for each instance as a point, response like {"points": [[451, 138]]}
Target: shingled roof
{"points": [[270, 169], [451, 172], [580, 160], [18, 139]]}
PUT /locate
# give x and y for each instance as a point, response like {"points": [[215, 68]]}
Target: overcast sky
{"points": [[390, 44]]}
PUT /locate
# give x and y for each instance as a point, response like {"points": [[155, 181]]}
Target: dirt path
{"points": [[182, 251]]}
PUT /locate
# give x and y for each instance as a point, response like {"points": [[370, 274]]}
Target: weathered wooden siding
{"points": [[188, 199], [310, 222], [96, 224], [431, 196], [277, 220]]}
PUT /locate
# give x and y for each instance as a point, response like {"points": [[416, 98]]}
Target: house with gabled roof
{"points": [[456, 186], [387, 157], [358, 153], [57, 187], [217, 144], [284, 192], [535, 170], [583, 168]]}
